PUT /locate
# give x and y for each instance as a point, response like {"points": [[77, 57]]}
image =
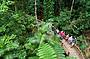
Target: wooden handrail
{"points": [[80, 52]]}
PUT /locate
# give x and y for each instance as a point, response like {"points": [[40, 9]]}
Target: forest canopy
{"points": [[26, 27]]}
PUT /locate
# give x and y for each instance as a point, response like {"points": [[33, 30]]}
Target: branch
{"points": [[72, 6]]}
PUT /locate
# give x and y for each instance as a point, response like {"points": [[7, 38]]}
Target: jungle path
{"points": [[74, 51]]}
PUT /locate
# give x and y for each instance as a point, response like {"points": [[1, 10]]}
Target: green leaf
{"points": [[46, 52]]}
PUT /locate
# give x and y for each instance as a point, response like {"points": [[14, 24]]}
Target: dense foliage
{"points": [[22, 38]]}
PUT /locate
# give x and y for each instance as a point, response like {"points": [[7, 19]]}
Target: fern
{"points": [[59, 51], [71, 57], [46, 52], [35, 57]]}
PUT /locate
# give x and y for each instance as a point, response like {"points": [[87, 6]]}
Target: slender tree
{"points": [[72, 6], [36, 10]]}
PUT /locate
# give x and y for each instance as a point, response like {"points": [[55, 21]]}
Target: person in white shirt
{"points": [[70, 39]]}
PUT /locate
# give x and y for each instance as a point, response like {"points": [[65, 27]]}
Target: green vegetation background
{"points": [[22, 38]]}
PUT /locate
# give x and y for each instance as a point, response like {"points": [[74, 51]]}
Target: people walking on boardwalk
{"points": [[70, 39], [73, 41], [62, 34], [67, 37]]}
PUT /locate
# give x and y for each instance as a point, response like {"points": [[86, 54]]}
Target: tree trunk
{"points": [[36, 10], [72, 6], [57, 8]]}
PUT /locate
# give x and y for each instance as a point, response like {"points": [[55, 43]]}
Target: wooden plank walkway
{"points": [[72, 51]]}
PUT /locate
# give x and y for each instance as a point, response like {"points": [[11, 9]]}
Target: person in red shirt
{"points": [[62, 34]]}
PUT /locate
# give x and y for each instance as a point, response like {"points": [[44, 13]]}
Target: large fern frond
{"points": [[59, 51], [34, 57], [46, 52]]}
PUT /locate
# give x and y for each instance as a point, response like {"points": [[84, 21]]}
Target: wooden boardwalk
{"points": [[74, 51]]}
